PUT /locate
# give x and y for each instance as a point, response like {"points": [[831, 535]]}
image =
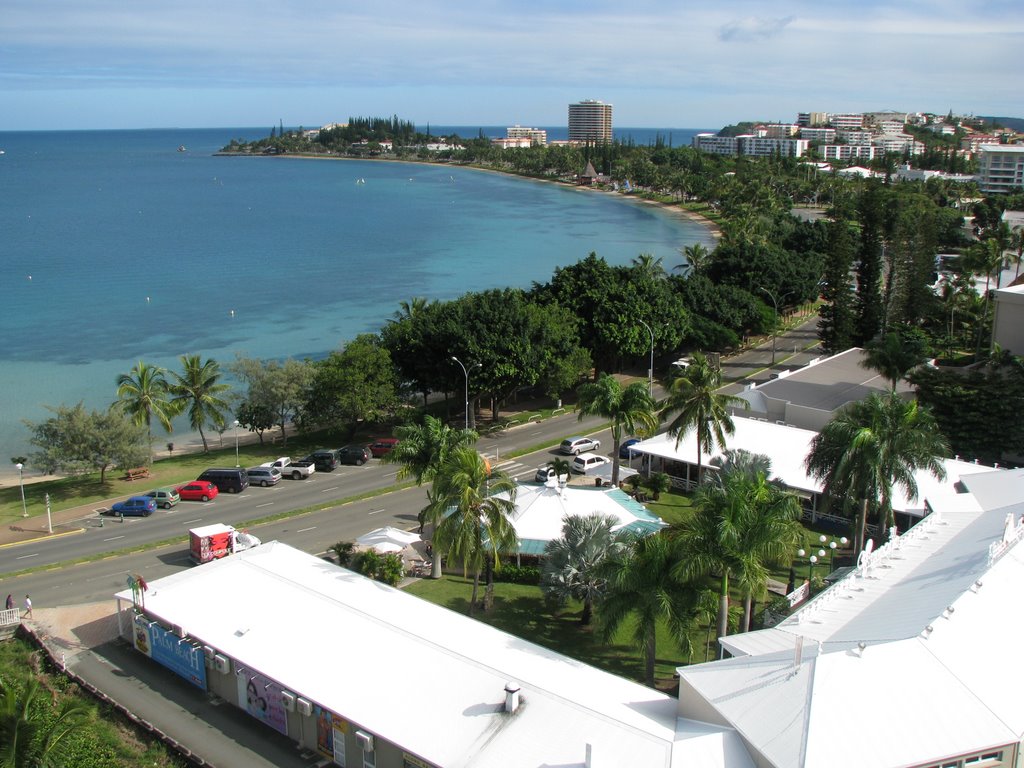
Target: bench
{"points": [[137, 473]]}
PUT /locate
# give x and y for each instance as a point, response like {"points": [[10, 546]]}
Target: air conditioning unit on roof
{"points": [[304, 706], [223, 663], [288, 700]]}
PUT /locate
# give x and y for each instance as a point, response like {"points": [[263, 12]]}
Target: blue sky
{"points": [[662, 63]]}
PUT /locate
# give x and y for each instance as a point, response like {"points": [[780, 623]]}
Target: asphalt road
{"points": [[313, 532]]}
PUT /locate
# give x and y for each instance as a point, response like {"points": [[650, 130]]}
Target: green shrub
{"points": [[518, 574]]}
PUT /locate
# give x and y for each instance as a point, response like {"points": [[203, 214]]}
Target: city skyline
{"points": [[101, 64]]}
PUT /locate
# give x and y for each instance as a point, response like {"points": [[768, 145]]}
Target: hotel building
{"points": [[590, 120]]}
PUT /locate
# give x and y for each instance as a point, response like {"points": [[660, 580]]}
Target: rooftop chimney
{"points": [[511, 696]]}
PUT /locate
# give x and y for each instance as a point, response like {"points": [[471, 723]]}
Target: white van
{"points": [[586, 463]]}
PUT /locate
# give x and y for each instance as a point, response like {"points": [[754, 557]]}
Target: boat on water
{"points": [[182, 148]]}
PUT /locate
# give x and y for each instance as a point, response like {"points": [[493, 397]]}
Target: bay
{"points": [[116, 247]]}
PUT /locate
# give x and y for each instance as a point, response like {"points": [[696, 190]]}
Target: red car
{"points": [[197, 490], [382, 446]]}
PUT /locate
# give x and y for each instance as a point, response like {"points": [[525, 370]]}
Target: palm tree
{"points": [[893, 355], [1017, 244], [871, 446], [632, 409], [30, 735], [199, 390], [701, 406], [643, 582], [143, 393], [470, 509], [572, 563], [648, 266], [743, 522], [423, 448], [697, 256], [408, 309]]}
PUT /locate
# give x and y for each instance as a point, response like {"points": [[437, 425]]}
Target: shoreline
{"points": [[669, 208]]}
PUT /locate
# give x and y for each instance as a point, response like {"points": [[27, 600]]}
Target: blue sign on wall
{"points": [[179, 656]]}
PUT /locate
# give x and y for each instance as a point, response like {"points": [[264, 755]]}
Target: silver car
{"points": [[264, 476]]}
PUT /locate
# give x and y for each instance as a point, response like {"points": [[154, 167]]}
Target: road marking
{"points": [[303, 530], [114, 538], [23, 557], [328, 490], [267, 504], [391, 474], [189, 522], [374, 512]]}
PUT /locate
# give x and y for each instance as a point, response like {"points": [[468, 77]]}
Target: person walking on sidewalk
{"points": [[10, 602], [28, 607]]}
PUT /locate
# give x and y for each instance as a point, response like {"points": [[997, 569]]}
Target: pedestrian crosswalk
{"points": [[516, 469]]}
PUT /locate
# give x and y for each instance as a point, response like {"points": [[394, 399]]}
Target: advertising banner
{"points": [[330, 734], [261, 698], [179, 656], [140, 635]]}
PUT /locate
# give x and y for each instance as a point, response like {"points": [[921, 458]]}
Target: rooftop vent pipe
{"points": [[511, 696]]}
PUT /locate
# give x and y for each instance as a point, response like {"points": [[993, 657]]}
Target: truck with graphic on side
{"points": [[212, 542]]}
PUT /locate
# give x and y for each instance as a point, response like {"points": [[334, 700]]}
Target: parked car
{"points": [[263, 476], [383, 446], [588, 462], [296, 470], [324, 459], [198, 490], [545, 473], [136, 506], [233, 480], [354, 454], [574, 446], [624, 452], [164, 497]]}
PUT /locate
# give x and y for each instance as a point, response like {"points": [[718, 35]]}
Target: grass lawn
{"points": [[520, 610]]}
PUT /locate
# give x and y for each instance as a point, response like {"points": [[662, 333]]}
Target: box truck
{"points": [[212, 542]]}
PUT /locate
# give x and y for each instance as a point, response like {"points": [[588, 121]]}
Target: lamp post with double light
{"points": [[465, 372], [832, 546], [21, 482], [775, 303]]}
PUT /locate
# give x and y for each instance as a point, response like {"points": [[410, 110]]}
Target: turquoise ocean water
{"points": [[115, 247]]}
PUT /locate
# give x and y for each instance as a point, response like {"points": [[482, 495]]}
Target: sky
{"points": [[86, 64]]}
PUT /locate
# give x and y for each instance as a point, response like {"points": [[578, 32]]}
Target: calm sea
{"points": [[115, 247]]}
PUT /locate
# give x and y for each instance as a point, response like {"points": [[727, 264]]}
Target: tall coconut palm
{"points": [[742, 522], [894, 354], [697, 256], [423, 448], [142, 394], [198, 390], [648, 266], [700, 406], [470, 509], [872, 446], [30, 735], [572, 562], [643, 582], [631, 408]]}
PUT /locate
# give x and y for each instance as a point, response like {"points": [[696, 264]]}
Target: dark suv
{"points": [[354, 454], [325, 460]]}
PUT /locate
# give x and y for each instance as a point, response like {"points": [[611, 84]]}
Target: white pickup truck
{"points": [[296, 470]]}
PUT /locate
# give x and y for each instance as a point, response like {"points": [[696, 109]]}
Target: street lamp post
{"points": [[21, 481], [775, 304], [650, 371], [810, 563], [49, 522], [465, 372], [237, 463], [832, 546]]}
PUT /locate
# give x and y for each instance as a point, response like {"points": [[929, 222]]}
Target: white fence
{"points": [[10, 616]]}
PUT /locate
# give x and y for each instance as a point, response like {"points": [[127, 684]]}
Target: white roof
{"points": [[937, 676], [787, 447], [420, 676], [541, 509]]}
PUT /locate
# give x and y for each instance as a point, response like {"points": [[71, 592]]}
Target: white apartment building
{"points": [[891, 126], [975, 140], [897, 142], [535, 135], [943, 129], [590, 120], [1000, 167], [716, 145], [848, 152], [854, 137], [749, 144], [827, 135], [520, 142], [811, 119], [781, 131], [846, 121]]}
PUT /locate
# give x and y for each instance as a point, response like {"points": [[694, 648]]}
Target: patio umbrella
{"points": [[387, 535], [386, 546]]}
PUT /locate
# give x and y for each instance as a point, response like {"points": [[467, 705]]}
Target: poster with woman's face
{"points": [[261, 698]]}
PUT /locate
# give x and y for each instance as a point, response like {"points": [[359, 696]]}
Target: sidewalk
{"points": [[85, 637]]}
